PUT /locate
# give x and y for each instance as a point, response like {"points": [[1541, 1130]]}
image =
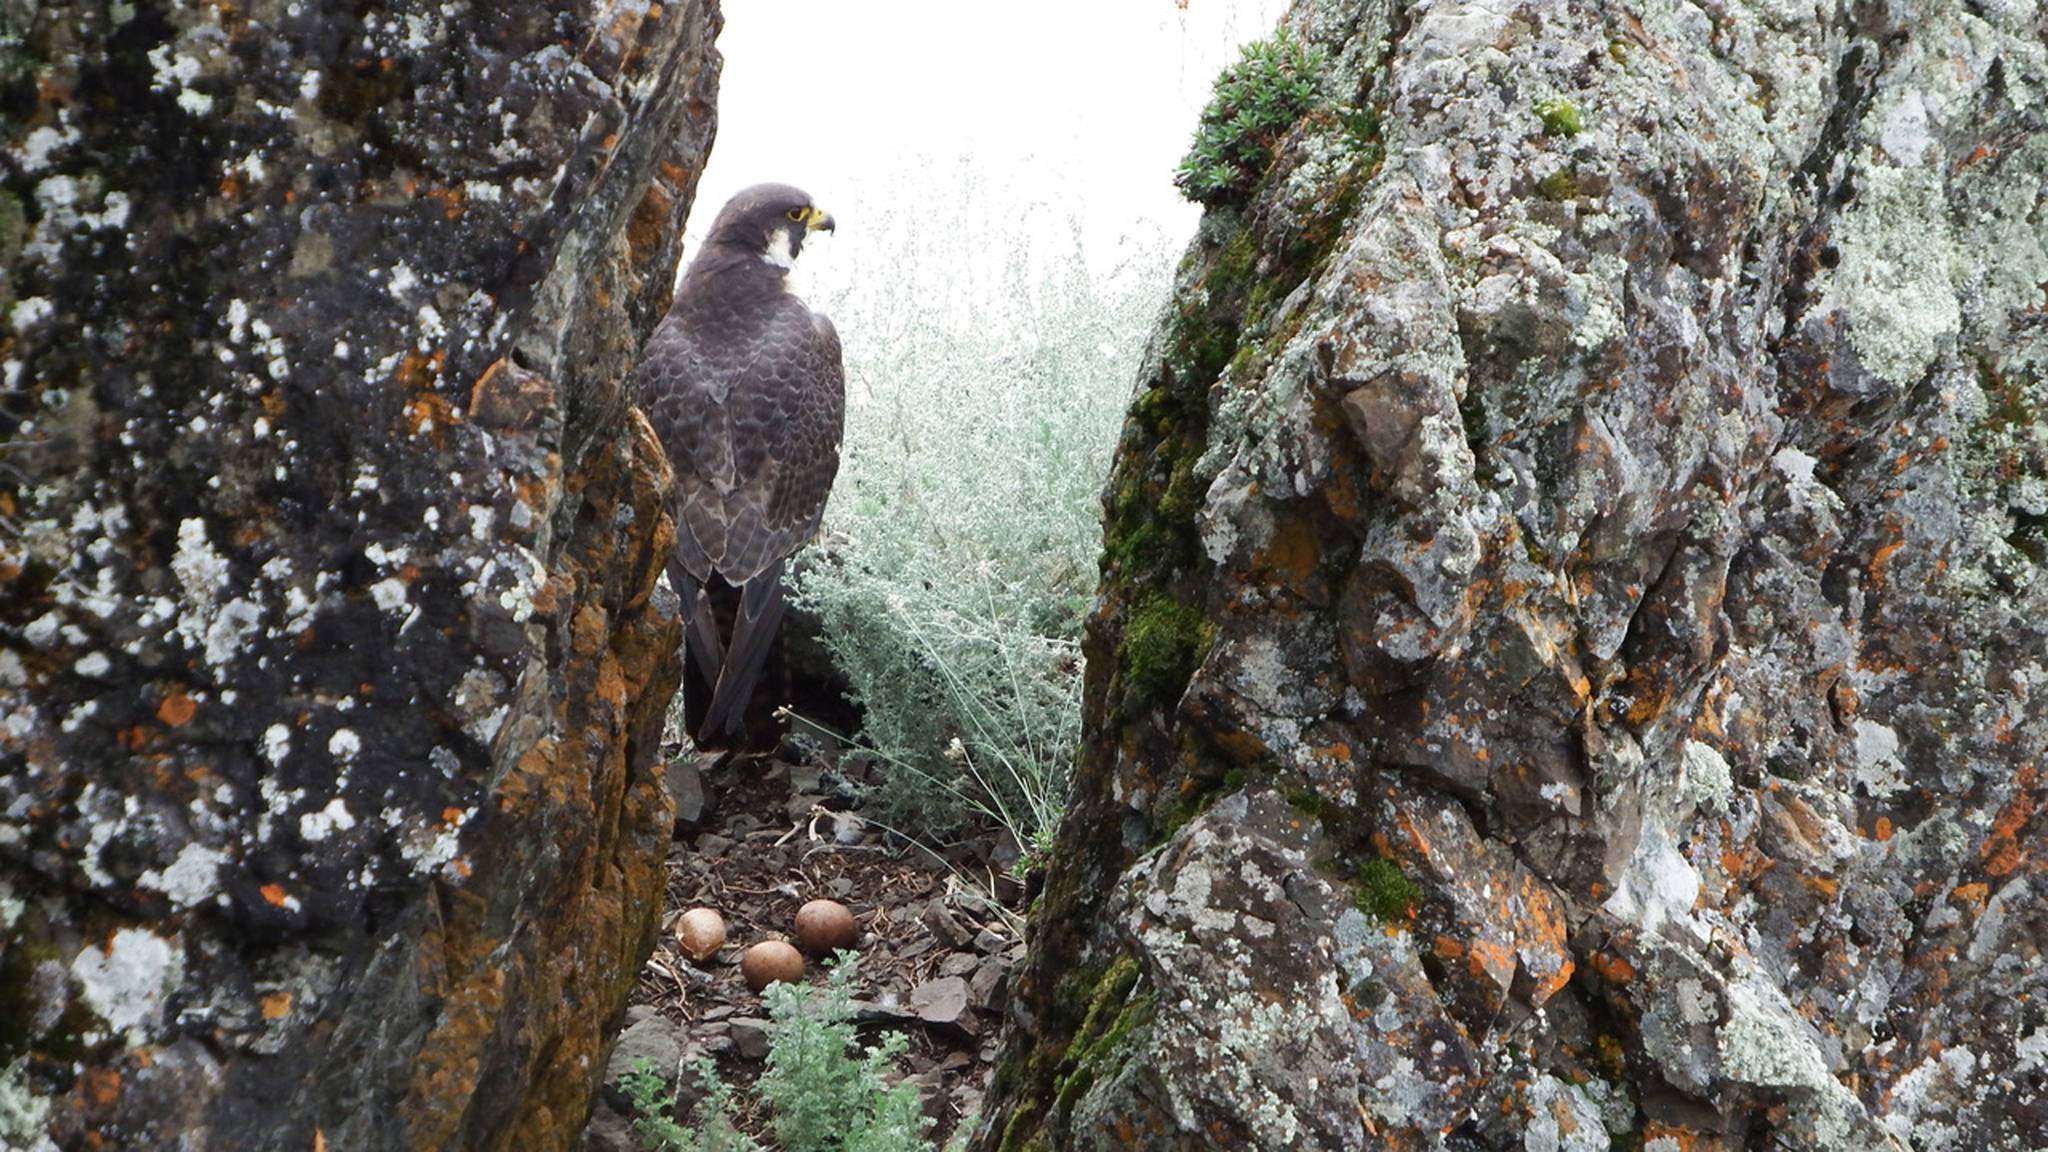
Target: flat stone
{"points": [[990, 983], [945, 925], [656, 1039], [750, 1037], [940, 1001]]}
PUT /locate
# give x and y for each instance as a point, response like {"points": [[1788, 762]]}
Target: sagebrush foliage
{"points": [[1273, 84], [823, 1092], [961, 543], [824, 1097]]}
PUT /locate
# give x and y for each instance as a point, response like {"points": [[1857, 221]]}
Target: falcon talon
{"points": [[745, 387]]}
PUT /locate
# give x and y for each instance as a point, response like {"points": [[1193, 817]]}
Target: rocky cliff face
{"points": [[1569, 667], [331, 676]]}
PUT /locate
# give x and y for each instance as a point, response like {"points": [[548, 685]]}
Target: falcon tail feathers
{"points": [[702, 645], [762, 603]]}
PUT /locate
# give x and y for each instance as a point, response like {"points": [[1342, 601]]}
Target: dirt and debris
{"points": [[940, 929]]}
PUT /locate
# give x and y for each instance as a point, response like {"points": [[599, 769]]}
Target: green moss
{"points": [[17, 56], [1560, 185], [1023, 1119], [18, 960], [1190, 800], [1311, 804], [1113, 1014], [13, 234], [1163, 642], [1385, 893], [1153, 492], [1559, 117]]}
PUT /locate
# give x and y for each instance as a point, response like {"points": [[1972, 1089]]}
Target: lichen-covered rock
{"points": [[331, 672], [1596, 478]]}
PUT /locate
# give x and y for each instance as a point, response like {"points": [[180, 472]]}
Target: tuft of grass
{"points": [[960, 546], [1256, 100]]}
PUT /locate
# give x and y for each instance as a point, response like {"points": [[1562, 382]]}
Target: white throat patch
{"points": [[778, 252]]}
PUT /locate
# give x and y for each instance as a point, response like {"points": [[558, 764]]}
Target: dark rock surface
{"points": [[1568, 670], [332, 675]]}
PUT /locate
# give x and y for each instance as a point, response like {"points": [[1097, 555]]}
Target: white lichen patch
{"points": [[1879, 770], [428, 848], [1565, 1118], [1765, 1043], [191, 879], [317, 826], [277, 742], [1896, 280], [23, 1113], [389, 594], [1707, 775], [277, 801], [30, 312], [344, 745], [41, 145], [206, 622], [126, 982], [1658, 886]]}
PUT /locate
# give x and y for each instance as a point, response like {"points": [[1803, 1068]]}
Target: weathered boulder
{"points": [[1569, 660], [330, 667]]}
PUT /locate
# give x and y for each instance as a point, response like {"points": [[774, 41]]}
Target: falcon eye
{"points": [[796, 214]]}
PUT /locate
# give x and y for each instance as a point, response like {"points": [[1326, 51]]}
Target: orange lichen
{"points": [[2001, 852], [99, 1088], [451, 200], [1292, 552], [177, 710], [1610, 968], [274, 895], [277, 1005], [1881, 559], [427, 411], [418, 370]]}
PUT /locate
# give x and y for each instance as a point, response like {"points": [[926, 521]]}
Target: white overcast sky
{"points": [[881, 107]]}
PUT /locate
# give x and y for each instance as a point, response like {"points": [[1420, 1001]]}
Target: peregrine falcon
{"points": [[744, 385]]}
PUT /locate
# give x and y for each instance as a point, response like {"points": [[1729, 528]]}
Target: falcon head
{"points": [[770, 221]]}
